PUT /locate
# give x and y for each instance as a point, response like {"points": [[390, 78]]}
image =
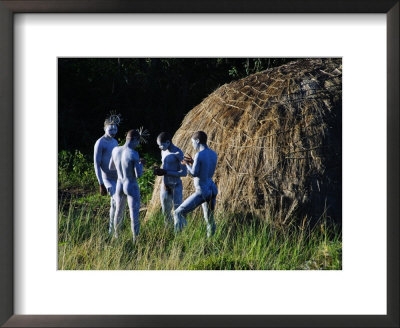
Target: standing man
{"points": [[102, 153], [172, 170], [202, 168], [125, 160]]}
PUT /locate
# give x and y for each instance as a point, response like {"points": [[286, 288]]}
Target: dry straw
{"points": [[277, 134]]}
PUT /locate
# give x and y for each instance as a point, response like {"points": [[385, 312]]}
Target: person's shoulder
{"points": [[212, 151], [176, 149], [116, 149], [211, 154], [201, 154], [177, 152], [99, 141], [133, 153]]}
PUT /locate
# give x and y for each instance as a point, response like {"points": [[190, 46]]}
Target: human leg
{"points": [[134, 208], [166, 203], [177, 195], [187, 206], [111, 186], [113, 207], [214, 192], [177, 201], [120, 203], [208, 214], [208, 210]]}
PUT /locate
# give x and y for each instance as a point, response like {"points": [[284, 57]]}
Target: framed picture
{"points": [[249, 302]]}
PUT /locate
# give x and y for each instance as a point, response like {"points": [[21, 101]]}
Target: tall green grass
{"points": [[84, 243]]}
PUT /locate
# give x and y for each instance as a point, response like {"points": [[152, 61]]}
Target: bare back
{"points": [[129, 164], [126, 162]]}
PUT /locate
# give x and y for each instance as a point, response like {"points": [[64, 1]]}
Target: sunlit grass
{"points": [[84, 243]]}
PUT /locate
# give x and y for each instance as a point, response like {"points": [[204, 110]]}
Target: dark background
{"points": [[155, 93]]}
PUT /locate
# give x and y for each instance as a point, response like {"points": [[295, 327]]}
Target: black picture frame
{"points": [[10, 7]]}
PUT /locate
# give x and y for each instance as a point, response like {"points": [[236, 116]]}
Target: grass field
{"points": [[84, 243]]}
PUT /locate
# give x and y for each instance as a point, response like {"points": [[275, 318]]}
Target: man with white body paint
{"points": [[102, 153], [172, 170], [202, 168], [125, 160]]}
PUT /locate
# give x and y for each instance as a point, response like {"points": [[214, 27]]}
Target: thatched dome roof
{"points": [[277, 134]]}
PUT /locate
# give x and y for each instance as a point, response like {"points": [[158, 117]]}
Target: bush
{"points": [[146, 181], [76, 171]]}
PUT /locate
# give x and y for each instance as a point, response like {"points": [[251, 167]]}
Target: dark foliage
{"points": [[155, 93]]}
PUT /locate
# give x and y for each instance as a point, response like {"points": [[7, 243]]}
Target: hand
{"points": [[142, 161], [103, 190], [187, 159], [159, 172]]}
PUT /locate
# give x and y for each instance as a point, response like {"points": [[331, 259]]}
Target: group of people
{"points": [[118, 167]]}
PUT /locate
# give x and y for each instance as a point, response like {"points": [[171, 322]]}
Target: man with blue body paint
{"points": [[102, 153], [202, 168], [129, 167], [172, 170]]}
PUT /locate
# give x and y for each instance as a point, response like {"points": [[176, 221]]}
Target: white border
{"points": [[360, 288]]}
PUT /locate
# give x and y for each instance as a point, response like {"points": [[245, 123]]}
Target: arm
{"points": [[111, 165], [181, 173], [195, 169], [98, 152], [138, 167], [97, 161]]}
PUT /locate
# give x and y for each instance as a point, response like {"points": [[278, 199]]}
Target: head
{"points": [[133, 138], [110, 130], [164, 140], [111, 125], [199, 138]]}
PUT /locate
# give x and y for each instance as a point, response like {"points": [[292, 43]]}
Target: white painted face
{"points": [[111, 130], [163, 145], [195, 144]]}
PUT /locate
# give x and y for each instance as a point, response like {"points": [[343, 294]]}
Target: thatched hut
{"points": [[277, 134]]}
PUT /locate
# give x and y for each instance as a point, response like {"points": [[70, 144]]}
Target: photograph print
{"points": [[199, 164]]}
